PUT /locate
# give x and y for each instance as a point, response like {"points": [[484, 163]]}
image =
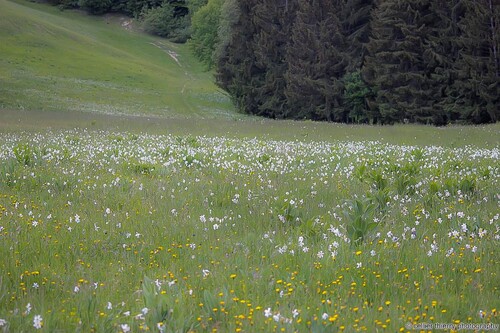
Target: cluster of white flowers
{"points": [[277, 317]]}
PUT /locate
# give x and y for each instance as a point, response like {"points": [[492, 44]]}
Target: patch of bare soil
{"points": [[127, 23]]}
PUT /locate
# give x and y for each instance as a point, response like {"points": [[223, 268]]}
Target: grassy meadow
{"points": [[133, 198], [114, 231], [53, 60]]}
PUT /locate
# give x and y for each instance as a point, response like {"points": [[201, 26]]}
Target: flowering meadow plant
{"points": [[119, 232]]}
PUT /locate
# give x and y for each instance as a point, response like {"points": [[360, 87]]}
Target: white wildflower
{"points": [[38, 322]]}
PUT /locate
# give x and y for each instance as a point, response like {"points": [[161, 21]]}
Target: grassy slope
{"points": [[69, 61]]}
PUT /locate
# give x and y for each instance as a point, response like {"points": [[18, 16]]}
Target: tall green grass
{"points": [[119, 231], [487, 136]]}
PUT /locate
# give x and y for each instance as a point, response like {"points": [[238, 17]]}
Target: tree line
{"points": [[352, 61], [359, 61]]}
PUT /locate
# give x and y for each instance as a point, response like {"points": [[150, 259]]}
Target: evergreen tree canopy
{"points": [[396, 66], [355, 19], [382, 61], [477, 95], [273, 21], [316, 63], [237, 70]]}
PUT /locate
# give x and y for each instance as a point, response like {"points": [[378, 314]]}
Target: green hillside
{"points": [[53, 60]]}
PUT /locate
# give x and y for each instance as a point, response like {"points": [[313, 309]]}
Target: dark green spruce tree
{"points": [[396, 65], [273, 20], [355, 19], [237, 71], [441, 54], [476, 94], [316, 63]]}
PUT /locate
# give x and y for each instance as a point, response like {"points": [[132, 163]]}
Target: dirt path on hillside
{"points": [[171, 53], [175, 56]]}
